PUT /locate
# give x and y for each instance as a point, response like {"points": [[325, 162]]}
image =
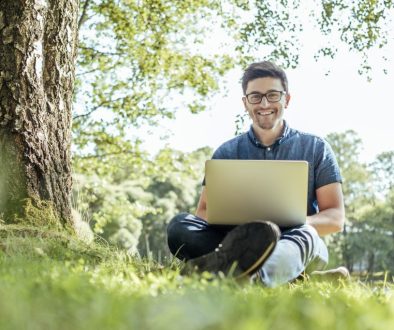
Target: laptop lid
{"points": [[240, 191]]}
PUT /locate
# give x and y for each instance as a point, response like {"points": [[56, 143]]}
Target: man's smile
{"points": [[265, 113]]}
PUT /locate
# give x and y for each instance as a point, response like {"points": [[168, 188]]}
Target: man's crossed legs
{"points": [[192, 239]]}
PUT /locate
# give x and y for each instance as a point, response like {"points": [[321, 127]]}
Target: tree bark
{"points": [[38, 40]]}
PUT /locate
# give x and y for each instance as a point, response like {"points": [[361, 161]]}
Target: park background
{"points": [[156, 90], [342, 96]]}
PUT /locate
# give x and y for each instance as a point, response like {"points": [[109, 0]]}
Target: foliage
{"points": [[133, 207], [376, 226], [136, 66], [356, 178], [362, 25], [383, 171], [277, 29], [142, 61], [113, 211], [356, 190], [174, 191], [59, 284], [369, 216], [271, 33]]}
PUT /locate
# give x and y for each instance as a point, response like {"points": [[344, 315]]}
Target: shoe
{"points": [[242, 252], [331, 274]]}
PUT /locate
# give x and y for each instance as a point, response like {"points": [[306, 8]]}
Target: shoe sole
{"points": [[259, 262], [238, 250]]}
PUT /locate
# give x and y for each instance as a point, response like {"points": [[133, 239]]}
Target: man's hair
{"points": [[262, 70]]}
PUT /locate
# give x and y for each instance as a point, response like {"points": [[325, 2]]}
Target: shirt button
{"points": [[269, 149]]}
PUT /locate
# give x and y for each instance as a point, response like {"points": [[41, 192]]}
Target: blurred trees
{"points": [[383, 172], [368, 237], [372, 238], [132, 210], [356, 189]]}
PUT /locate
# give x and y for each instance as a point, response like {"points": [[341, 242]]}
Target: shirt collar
{"points": [[279, 140]]}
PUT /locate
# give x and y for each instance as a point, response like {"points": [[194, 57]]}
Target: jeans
{"points": [[299, 248]]}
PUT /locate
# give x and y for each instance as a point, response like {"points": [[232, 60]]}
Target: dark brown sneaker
{"points": [[242, 252]]}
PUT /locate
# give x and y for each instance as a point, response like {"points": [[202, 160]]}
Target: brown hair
{"points": [[261, 70]]}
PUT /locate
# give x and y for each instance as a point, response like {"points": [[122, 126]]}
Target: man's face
{"points": [[266, 115]]}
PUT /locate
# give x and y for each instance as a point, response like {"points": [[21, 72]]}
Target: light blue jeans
{"points": [[297, 250]]}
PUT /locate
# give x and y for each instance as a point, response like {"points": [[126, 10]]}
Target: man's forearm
{"points": [[327, 222]]}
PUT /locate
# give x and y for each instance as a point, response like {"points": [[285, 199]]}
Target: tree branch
{"points": [[97, 107], [107, 154], [91, 111], [87, 72], [95, 51], [83, 18]]}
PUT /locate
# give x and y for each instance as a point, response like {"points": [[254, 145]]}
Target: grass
{"points": [[51, 281]]}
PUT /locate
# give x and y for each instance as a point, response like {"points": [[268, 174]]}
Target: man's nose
{"points": [[264, 101]]}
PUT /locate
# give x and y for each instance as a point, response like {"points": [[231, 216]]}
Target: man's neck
{"points": [[268, 136]]}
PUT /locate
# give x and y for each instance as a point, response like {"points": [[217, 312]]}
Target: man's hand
{"points": [[201, 211]]}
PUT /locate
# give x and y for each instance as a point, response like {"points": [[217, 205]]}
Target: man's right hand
{"points": [[201, 211]]}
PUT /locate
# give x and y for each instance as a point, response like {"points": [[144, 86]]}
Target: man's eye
{"points": [[273, 95], [255, 97]]}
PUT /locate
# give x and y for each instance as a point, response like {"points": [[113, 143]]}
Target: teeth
{"points": [[265, 113]]}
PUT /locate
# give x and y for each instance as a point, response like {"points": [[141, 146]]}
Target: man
{"points": [[260, 247]]}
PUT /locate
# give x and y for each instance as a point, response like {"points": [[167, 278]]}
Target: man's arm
{"points": [[331, 217], [202, 205]]}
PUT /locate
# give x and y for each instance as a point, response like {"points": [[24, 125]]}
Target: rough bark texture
{"points": [[37, 59]]}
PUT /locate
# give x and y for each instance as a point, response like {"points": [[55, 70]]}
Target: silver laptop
{"points": [[240, 191]]}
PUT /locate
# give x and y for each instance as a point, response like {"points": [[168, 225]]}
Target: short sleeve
{"points": [[326, 166]]}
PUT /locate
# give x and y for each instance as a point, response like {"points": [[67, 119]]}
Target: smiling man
{"points": [[275, 255]]}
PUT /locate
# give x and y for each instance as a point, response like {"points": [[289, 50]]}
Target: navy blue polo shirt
{"points": [[292, 145]]}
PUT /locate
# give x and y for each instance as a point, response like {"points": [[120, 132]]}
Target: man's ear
{"points": [[244, 101], [288, 97]]}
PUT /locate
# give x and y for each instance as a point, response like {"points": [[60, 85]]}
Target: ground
{"points": [[49, 280]]}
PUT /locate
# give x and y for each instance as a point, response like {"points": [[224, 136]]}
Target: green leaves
{"points": [[143, 44], [137, 65], [368, 194], [273, 34], [143, 61], [134, 203], [383, 171], [356, 177]]}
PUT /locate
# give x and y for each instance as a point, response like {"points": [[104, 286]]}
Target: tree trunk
{"points": [[371, 262], [38, 40]]}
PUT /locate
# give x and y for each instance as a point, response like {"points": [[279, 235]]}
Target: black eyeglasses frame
{"points": [[265, 95]]}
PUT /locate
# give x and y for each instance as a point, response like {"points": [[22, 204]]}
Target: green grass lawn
{"points": [[48, 281]]}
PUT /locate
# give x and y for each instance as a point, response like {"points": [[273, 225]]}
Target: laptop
{"points": [[240, 191]]}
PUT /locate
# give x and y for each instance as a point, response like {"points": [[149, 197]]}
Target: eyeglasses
{"points": [[272, 97]]}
